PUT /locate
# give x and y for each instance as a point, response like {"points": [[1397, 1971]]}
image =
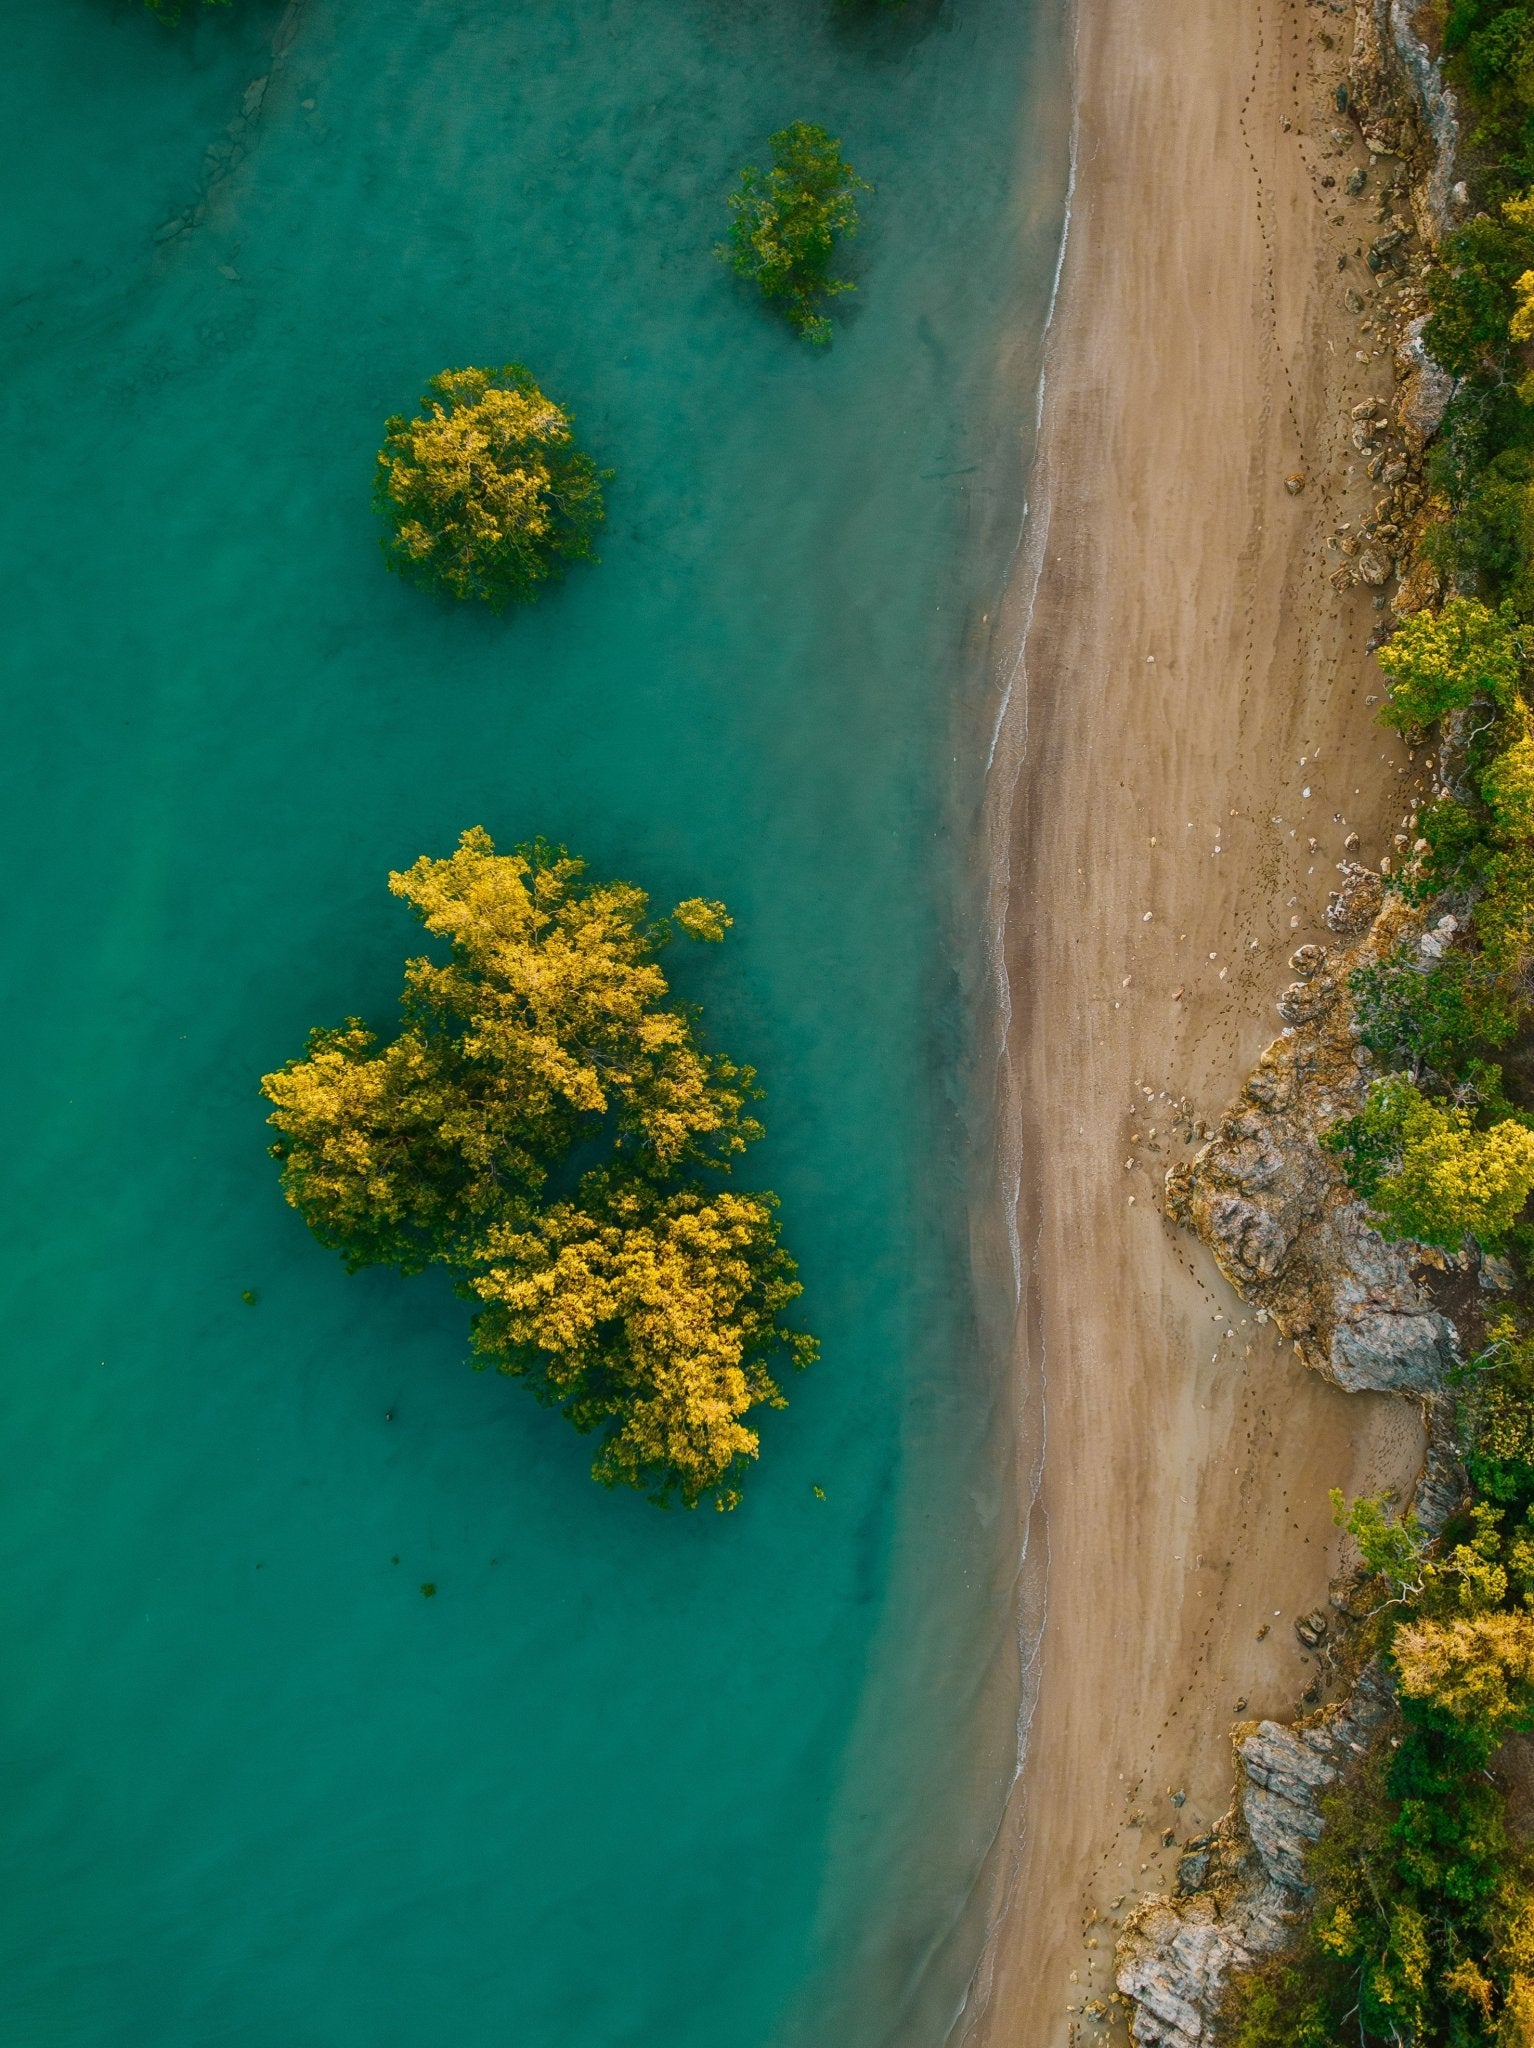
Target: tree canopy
{"points": [[547, 1125], [787, 221], [484, 492], [1440, 662], [1430, 1173]]}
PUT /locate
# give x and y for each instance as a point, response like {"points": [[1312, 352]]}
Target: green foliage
{"points": [[1496, 1413], [1488, 540], [544, 1125], [1482, 466], [1429, 1173], [1473, 294], [1490, 49], [786, 224], [1393, 1549], [1439, 662], [1432, 1018], [485, 494], [1455, 837]]}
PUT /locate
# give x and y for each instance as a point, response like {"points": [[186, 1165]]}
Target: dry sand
{"points": [[1191, 711]]}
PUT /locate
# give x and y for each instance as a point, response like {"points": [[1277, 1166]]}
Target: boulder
{"points": [[1175, 1955], [1357, 903]]}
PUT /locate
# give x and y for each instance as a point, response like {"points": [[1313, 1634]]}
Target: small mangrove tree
{"points": [[484, 492], [786, 224]]}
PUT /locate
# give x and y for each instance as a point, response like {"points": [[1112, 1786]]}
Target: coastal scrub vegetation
{"points": [[485, 494], [1423, 1921], [787, 221], [547, 1125], [1489, 56]]}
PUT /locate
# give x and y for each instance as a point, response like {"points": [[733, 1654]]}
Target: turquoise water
{"points": [[629, 1778]]}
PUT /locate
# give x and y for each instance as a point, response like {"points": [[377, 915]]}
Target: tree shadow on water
{"points": [[883, 31]]}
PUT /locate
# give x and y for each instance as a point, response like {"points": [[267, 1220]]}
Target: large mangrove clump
{"points": [[547, 1126], [485, 493]]}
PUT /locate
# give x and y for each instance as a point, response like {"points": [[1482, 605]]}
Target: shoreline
{"points": [[1178, 645]]}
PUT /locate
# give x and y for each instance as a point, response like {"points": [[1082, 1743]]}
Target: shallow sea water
{"points": [[628, 1778]]}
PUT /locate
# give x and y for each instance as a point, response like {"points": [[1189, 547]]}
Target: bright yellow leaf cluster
{"points": [[1440, 662], [485, 493], [649, 1316], [642, 1302], [1479, 1667], [1453, 1180]]}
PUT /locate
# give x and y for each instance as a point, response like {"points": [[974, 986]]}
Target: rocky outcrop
{"points": [[1271, 1201], [1404, 109], [1243, 1886], [1423, 390]]}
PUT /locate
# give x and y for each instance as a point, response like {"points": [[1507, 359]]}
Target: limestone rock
{"points": [[1421, 586], [1175, 1956], [1272, 1203], [1403, 108], [1424, 390], [1357, 903], [1302, 1001]]}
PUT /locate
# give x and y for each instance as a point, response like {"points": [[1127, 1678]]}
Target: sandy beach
{"points": [[1188, 741]]}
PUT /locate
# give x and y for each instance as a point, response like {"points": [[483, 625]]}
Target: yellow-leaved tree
{"points": [[1430, 1173], [1478, 1667], [644, 1298], [485, 494]]}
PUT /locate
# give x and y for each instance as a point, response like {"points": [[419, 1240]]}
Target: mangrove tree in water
{"points": [[787, 221], [485, 493], [547, 1125]]}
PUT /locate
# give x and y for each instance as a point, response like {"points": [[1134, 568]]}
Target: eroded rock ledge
{"points": [[1272, 1203], [1243, 1885]]}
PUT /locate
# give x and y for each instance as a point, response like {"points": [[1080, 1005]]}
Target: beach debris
{"points": [[1296, 483], [248, 1296], [1178, 1798], [1262, 1632], [429, 1591]]}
